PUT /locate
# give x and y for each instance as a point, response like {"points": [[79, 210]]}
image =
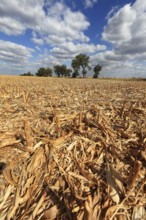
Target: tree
{"points": [[41, 72], [58, 70], [75, 74], [97, 70], [27, 74], [76, 67], [44, 72], [62, 70], [68, 72], [81, 61], [49, 72]]}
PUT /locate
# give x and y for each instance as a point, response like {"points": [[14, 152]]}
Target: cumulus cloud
{"points": [[36, 40], [11, 26], [89, 3], [71, 49], [43, 17], [14, 57], [118, 65], [14, 52], [63, 22], [118, 29], [126, 30], [20, 14]]}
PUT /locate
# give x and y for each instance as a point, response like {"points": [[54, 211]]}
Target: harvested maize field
{"points": [[72, 149]]}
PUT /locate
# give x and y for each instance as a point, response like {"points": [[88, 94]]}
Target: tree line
{"points": [[79, 64]]}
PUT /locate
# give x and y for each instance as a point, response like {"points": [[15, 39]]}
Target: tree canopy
{"points": [[49, 71], [62, 70], [81, 61], [44, 72], [27, 74], [97, 70]]}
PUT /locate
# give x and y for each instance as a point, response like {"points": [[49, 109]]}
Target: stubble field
{"points": [[72, 149]]}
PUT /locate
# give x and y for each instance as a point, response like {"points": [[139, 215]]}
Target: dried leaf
{"points": [[6, 195], [139, 213], [38, 205], [114, 194], [51, 213], [8, 175], [134, 174]]}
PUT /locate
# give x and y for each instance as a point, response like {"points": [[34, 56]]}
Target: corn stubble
{"points": [[72, 149]]}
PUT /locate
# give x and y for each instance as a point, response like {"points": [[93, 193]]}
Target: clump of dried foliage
{"points": [[72, 149]]}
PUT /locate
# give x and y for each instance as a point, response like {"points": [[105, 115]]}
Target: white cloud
{"points": [[36, 40], [113, 56], [118, 29], [118, 65], [53, 39], [45, 59], [126, 30], [139, 6], [16, 16], [89, 3], [14, 57], [20, 14], [112, 12], [70, 49], [11, 26], [63, 22], [13, 52]]}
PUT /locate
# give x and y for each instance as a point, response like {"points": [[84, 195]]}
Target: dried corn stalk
{"points": [[72, 149]]}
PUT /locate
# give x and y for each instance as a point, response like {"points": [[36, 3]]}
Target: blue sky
{"points": [[42, 33]]}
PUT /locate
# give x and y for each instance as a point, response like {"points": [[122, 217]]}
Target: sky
{"points": [[44, 33]]}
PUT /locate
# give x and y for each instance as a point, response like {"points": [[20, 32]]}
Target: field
{"points": [[72, 149]]}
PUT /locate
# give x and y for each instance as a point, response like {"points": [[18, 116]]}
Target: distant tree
{"points": [[81, 61], [76, 67], [27, 74], [49, 72], [75, 74], [57, 70], [97, 70], [62, 70], [68, 72], [41, 72], [44, 72]]}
